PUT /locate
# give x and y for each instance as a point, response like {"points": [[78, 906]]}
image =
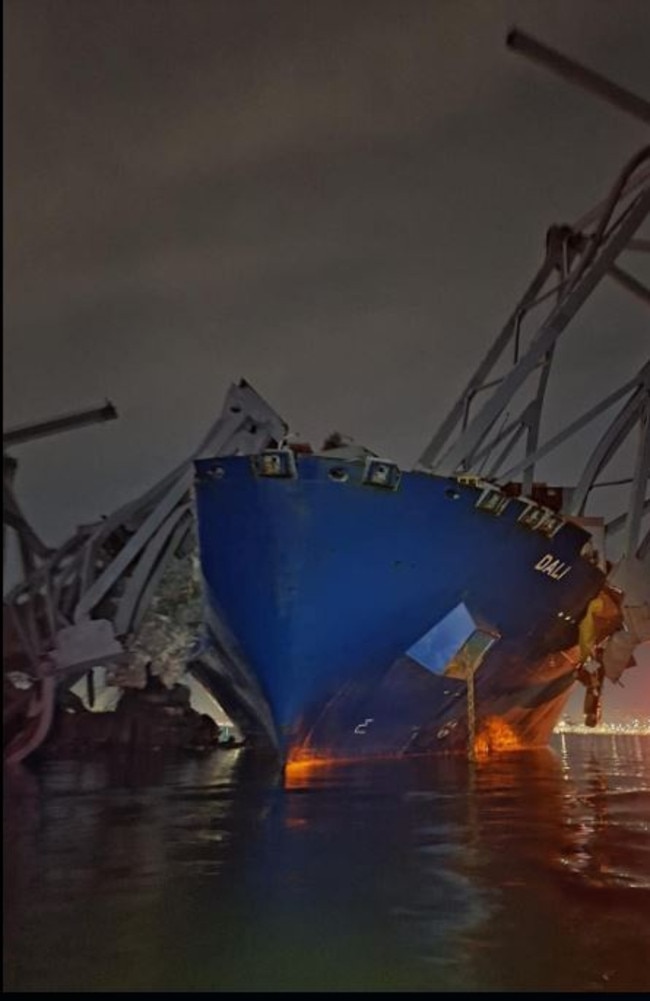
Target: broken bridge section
{"points": [[82, 604]]}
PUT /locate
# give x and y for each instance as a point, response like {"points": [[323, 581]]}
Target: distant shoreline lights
{"points": [[633, 726]]}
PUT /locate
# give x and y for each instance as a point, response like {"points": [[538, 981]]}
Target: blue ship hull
{"points": [[327, 582], [412, 711]]}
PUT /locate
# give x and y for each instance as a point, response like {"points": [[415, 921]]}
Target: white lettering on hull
{"points": [[552, 567]]}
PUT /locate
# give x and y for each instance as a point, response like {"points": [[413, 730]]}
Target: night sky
{"points": [[339, 201]]}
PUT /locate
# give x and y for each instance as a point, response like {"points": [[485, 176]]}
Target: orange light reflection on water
{"points": [[303, 765]]}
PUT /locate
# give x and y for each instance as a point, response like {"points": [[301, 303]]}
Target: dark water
{"points": [[530, 872]]}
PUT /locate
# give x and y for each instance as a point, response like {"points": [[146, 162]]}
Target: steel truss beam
{"points": [[576, 261], [83, 602]]}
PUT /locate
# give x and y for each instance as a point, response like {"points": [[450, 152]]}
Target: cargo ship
{"points": [[348, 600]]}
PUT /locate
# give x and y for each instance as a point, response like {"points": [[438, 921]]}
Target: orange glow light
{"points": [[496, 735]]}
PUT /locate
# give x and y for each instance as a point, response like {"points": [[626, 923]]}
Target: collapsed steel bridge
{"points": [[82, 604]]}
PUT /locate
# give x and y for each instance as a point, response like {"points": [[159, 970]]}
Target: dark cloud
{"points": [[339, 201]]}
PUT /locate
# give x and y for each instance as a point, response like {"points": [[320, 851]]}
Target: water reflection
{"points": [[530, 871]]}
